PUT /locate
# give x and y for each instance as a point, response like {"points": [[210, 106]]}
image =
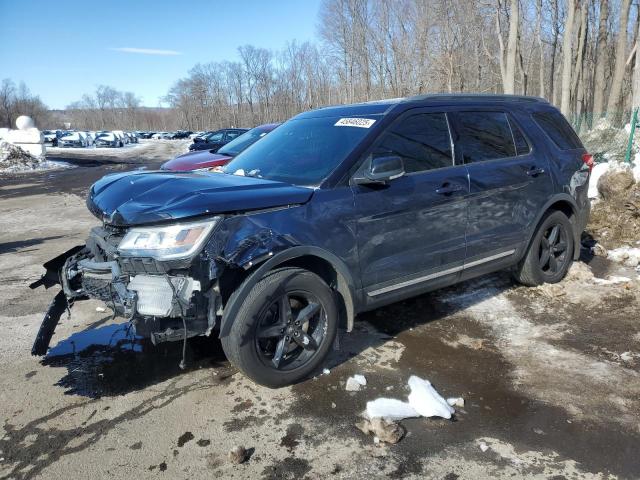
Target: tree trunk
{"points": [[509, 82], [540, 46], [567, 57], [621, 54], [635, 101], [601, 58]]}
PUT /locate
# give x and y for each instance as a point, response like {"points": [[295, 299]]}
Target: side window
{"points": [[485, 136], [421, 140], [558, 129], [215, 137], [522, 145], [231, 134]]}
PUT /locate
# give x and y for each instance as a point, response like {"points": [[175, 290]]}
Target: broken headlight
{"points": [[167, 242]]}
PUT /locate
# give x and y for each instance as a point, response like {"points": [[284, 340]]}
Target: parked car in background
{"points": [[123, 136], [339, 211], [108, 139], [51, 137], [161, 136], [214, 140], [207, 159], [73, 139], [196, 134], [180, 134], [89, 138]]}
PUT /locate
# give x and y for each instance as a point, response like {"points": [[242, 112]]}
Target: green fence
{"points": [[605, 136]]}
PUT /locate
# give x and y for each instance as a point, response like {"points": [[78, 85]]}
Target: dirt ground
{"points": [[550, 377]]}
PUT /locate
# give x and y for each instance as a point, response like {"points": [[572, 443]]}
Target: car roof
{"points": [[382, 107]]}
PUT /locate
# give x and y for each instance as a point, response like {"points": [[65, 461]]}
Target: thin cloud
{"points": [[146, 51]]}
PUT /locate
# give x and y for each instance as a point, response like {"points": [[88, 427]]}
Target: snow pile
{"points": [[423, 401], [14, 159], [629, 256], [615, 217]]}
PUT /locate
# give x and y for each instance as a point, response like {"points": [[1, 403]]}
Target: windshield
{"points": [[302, 152], [238, 144]]}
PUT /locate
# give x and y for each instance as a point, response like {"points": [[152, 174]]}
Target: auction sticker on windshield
{"points": [[355, 122]]}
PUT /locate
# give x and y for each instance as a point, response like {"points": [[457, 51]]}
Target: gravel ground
{"points": [[550, 377]]}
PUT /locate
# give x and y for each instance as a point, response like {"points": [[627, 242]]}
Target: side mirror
{"points": [[197, 140], [381, 170]]}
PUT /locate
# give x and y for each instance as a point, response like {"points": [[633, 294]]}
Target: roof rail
{"points": [[477, 97]]}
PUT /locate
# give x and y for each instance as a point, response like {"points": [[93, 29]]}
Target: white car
{"points": [[73, 139], [123, 137], [160, 135]]}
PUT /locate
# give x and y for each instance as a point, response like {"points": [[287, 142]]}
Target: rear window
{"points": [[557, 129], [485, 136]]}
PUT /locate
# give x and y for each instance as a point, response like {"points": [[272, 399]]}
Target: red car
{"points": [[209, 159]]}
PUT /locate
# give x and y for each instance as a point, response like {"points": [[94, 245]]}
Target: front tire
{"points": [[550, 253], [284, 329]]}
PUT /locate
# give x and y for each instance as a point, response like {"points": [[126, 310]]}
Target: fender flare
{"points": [[559, 197], [345, 285]]}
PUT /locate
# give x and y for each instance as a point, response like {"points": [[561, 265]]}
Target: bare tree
{"points": [[620, 56]]}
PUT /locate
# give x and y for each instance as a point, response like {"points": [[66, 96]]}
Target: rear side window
{"points": [[485, 136], [421, 140], [558, 129], [522, 145]]}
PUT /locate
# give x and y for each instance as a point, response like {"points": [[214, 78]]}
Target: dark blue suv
{"points": [[338, 211]]}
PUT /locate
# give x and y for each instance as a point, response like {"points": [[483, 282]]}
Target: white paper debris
{"points": [[355, 382], [456, 402], [101, 309], [390, 409], [426, 401], [326, 371], [484, 447]]}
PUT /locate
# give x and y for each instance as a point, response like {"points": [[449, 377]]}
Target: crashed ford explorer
{"points": [[338, 211]]}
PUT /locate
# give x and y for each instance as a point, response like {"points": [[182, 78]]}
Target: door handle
{"points": [[535, 171], [448, 188]]}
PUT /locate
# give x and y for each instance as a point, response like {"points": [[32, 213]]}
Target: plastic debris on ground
{"points": [[423, 401], [426, 401], [355, 383], [390, 408]]}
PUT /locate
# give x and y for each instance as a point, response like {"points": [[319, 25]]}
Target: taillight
{"points": [[587, 158]]}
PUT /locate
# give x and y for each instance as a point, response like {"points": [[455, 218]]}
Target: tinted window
{"points": [[522, 145], [215, 137], [558, 129], [485, 136], [422, 141], [233, 134]]}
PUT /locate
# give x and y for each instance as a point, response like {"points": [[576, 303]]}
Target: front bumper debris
{"points": [[163, 304]]}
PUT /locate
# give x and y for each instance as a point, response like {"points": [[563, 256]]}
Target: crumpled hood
{"points": [[136, 198], [196, 159]]}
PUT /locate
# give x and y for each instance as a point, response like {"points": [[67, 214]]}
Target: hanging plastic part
{"points": [[176, 299]]}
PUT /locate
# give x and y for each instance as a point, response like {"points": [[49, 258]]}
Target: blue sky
{"points": [[63, 49]]}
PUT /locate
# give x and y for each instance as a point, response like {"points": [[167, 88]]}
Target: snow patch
{"points": [[355, 382]]}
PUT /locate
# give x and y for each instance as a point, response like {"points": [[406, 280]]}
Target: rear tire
{"points": [[550, 253], [274, 351]]}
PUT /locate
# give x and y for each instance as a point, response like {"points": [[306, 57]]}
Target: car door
{"points": [[509, 184], [411, 231]]}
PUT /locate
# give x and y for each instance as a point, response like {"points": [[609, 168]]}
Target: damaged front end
{"points": [[164, 299]]}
